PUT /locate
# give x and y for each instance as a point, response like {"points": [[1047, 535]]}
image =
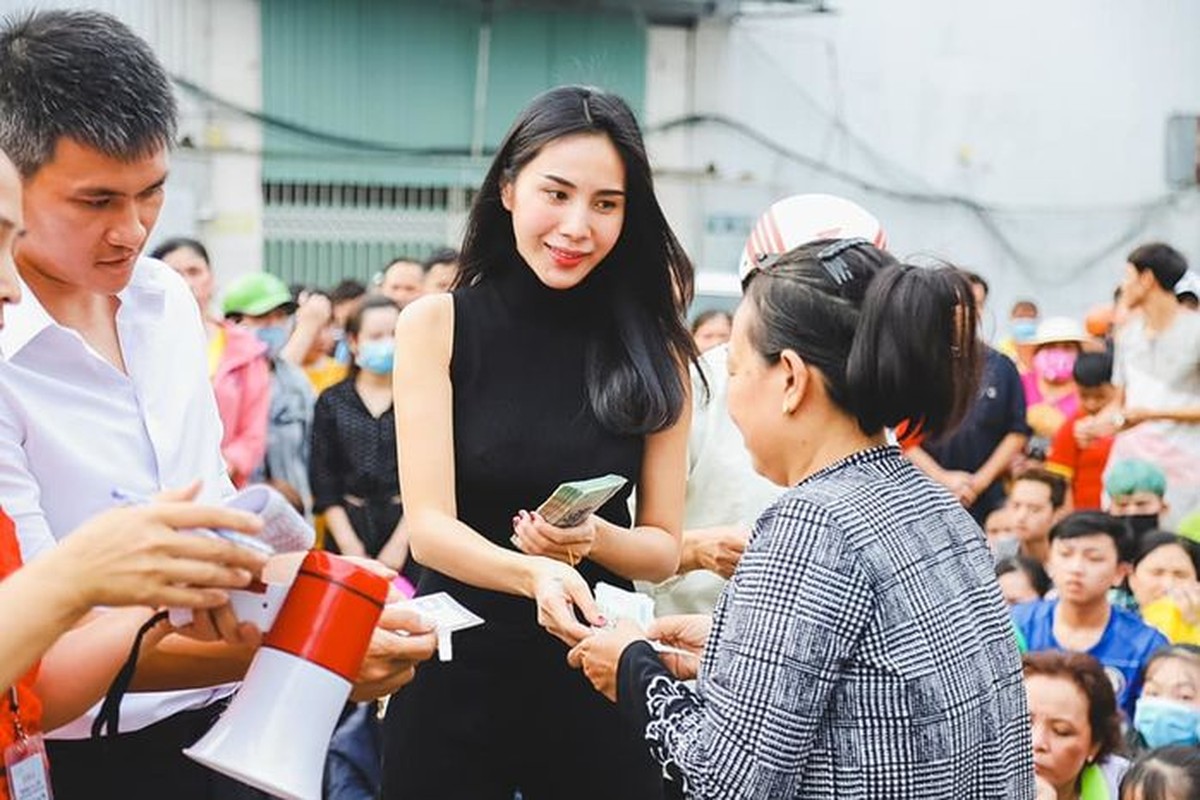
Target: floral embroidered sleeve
{"points": [[791, 619]]}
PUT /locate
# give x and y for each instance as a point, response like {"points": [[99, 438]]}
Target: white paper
{"points": [[616, 604]]}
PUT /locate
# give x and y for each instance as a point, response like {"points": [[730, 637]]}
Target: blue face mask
{"points": [[1023, 330], [1162, 722], [377, 356], [274, 337]]}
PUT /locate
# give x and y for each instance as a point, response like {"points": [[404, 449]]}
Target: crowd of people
{"points": [[887, 558]]}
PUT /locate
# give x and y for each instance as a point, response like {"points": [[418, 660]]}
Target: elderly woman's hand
{"points": [[599, 654], [686, 632]]}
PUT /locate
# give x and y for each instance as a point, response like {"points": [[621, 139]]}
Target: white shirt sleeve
{"points": [[19, 490]]}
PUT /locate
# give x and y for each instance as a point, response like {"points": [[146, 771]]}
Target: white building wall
{"points": [[1049, 115]]}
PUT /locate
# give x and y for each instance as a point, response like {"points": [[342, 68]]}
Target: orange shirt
{"points": [[31, 707], [1083, 467]]}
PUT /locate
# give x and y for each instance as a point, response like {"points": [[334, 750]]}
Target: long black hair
{"points": [[633, 367], [893, 342]]}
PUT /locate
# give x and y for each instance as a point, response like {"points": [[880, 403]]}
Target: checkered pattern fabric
{"points": [[861, 650]]}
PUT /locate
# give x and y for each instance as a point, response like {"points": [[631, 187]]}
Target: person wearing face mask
{"points": [[262, 304], [1051, 396], [1136, 490], [1168, 712], [353, 468], [1022, 328]]}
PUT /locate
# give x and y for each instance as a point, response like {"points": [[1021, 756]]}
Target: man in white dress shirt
{"points": [[103, 383]]}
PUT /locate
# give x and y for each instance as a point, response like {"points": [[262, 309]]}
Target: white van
{"points": [[719, 291]]}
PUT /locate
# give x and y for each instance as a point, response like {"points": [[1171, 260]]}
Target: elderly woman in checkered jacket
{"points": [[862, 648]]}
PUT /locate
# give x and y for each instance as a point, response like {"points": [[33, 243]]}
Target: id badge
{"points": [[28, 769]]}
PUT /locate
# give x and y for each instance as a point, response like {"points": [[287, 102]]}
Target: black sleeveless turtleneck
{"points": [[522, 421]]}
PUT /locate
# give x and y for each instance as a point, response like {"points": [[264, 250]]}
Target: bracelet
{"points": [[1118, 420]]}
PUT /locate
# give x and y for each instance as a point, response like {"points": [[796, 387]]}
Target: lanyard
{"points": [[16, 712]]}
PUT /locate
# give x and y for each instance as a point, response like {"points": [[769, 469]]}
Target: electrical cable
{"points": [[984, 213]]}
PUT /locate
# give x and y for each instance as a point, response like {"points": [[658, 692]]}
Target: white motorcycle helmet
{"points": [[803, 218]]}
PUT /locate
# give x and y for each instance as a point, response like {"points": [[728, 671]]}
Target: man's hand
{"points": [[392, 658]]}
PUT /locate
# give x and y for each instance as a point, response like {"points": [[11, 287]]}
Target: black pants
{"points": [[148, 764], [506, 715]]}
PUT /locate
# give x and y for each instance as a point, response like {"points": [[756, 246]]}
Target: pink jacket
{"points": [[242, 385]]}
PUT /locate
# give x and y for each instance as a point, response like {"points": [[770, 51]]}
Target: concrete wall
{"points": [[1050, 115]]}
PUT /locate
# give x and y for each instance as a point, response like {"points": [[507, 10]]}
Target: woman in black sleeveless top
{"points": [[561, 356]]}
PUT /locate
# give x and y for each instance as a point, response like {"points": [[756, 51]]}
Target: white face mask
{"points": [[275, 337], [1005, 547]]}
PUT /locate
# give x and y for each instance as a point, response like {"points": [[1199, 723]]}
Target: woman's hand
{"points": [[535, 537], [599, 655], [687, 632], [1186, 596], [559, 590], [715, 549]]}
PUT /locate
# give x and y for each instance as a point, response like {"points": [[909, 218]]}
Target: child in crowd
{"points": [[1078, 452], [1136, 491], [1035, 502], [1170, 773], [1022, 580], [1168, 711], [1088, 557]]}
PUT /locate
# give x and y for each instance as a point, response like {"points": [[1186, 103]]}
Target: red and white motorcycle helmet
{"points": [[804, 218]]}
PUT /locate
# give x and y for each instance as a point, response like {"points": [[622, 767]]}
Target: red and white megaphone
{"points": [[275, 733]]}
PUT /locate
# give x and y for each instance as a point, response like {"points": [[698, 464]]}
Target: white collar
{"points": [[142, 298]]}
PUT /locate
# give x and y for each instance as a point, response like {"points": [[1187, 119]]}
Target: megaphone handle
{"points": [[259, 608], [180, 617]]}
